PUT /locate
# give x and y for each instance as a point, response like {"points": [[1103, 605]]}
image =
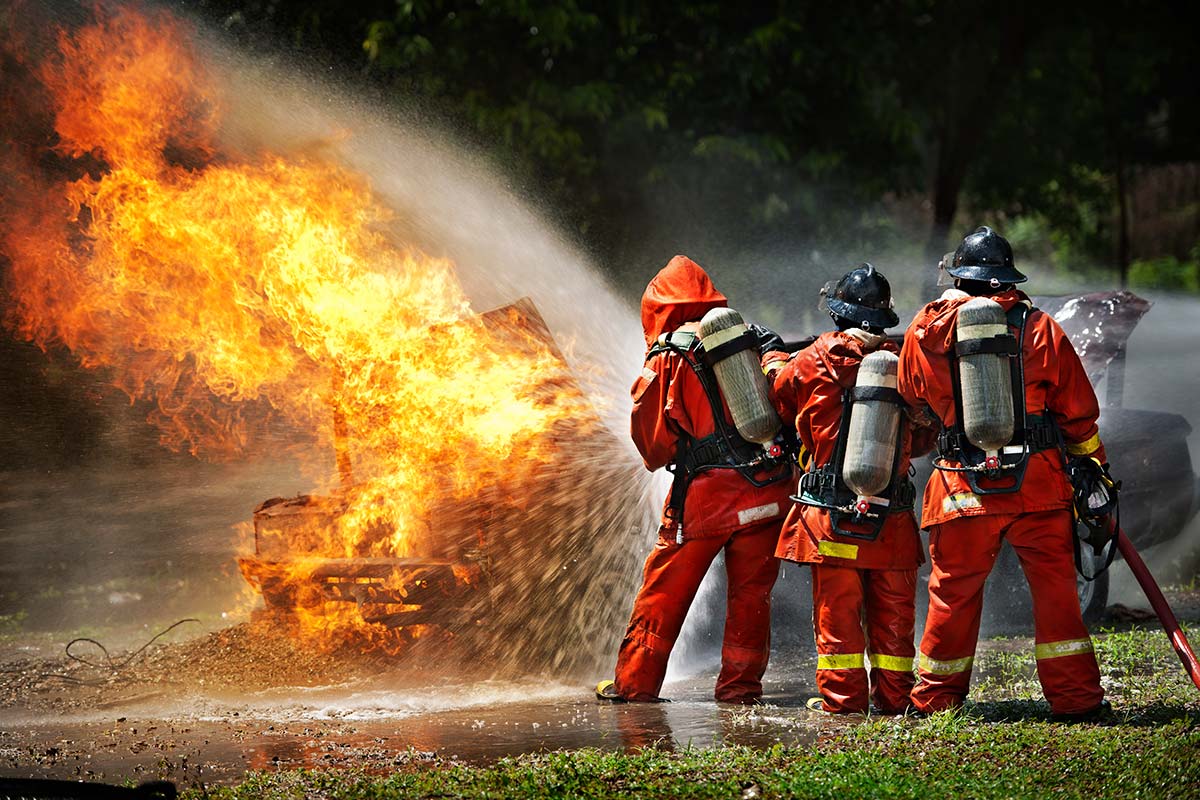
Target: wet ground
{"points": [[126, 730], [207, 709]]}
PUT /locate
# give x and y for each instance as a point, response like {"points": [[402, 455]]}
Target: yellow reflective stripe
{"points": [[895, 663], [802, 458], [841, 661], [837, 549], [1067, 647], [1083, 448], [936, 667]]}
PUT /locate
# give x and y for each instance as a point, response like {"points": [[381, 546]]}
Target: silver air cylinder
{"points": [[985, 379], [740, 378], [874, 430]]}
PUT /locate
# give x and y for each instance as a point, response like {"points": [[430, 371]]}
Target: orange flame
{"points": [[236, 293]]}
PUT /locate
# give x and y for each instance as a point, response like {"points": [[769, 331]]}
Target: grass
{"points": [[1001, 744], [946, 756]]}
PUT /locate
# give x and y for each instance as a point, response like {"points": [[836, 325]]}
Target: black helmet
{"points": [[985, 256], [863, 297]]}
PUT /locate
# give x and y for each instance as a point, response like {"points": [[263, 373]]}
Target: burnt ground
{"points": [[251, 696]]}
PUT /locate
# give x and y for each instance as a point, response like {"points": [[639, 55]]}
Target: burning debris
{"points": [[253, 298]]}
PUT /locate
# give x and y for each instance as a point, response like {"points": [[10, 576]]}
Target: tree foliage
{"points": [[790, 118]]}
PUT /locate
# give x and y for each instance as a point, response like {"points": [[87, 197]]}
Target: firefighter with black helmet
{"points": [[1012, 396], [852, 520]]}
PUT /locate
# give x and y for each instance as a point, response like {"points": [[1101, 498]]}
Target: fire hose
{"points": [[1159, 604]]}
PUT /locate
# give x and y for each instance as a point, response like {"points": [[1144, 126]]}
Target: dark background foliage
{"points": [[796, 122]]}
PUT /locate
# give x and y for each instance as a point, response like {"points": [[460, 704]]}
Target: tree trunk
{"points": [[963, 127], [1123, 258]]}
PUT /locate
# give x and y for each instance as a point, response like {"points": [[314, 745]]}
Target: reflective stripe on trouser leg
{"points": [[1066, 663], [891, 616], [669, 582], [961, 554], [838, 628], [751, 568]]}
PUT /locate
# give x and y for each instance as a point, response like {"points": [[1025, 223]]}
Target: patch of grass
{"points": [[951, 755]]}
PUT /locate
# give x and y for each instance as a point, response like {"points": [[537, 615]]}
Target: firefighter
{"points": [[864, 569], [1014, 378], [679, 421]]}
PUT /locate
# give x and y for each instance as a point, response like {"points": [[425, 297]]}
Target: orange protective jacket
{"points": [[1055, 382], [808, 393], [669, 401]]}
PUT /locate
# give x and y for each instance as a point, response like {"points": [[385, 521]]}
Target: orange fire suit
{"points": [[966, 529], [854, 580], [722, 511]]}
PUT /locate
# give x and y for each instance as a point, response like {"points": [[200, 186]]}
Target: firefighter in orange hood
{"points": [[680, 422], [1011, 393], [864, 568]]}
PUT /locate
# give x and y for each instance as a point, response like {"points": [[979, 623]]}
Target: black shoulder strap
{"points": [[681, 342]]}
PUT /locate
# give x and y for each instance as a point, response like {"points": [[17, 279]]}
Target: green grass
{"points": [[946, 756]]}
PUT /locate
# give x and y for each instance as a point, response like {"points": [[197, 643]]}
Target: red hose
{"points": [[1159, 604]]}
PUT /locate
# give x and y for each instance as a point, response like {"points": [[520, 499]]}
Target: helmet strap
{"points": [[981, 288]]}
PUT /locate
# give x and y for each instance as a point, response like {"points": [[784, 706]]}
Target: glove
{"points": [[1095, 496], [768, 340]]}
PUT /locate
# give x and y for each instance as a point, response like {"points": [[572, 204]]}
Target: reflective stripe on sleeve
{"points": [[837, 549], [1083, 448], [841, 661], [895, 663], [935, 667], [1067, 647]]}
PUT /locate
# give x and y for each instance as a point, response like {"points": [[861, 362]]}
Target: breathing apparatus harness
{"points": [[724, 448], [1035, 432], [824, 487]]}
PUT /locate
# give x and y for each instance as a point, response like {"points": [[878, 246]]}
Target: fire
{"points": [[240, 293]]}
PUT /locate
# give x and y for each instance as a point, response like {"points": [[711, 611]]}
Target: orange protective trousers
{"points": [[962, 552], [672, 576], [843, 599]]}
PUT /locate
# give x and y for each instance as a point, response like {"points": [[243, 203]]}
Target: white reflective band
{"points": [[649, 374], [932, 665], [841, 661], [1068, 647], [875, 501], [748, 515], [983, 331], [876, 379], [1012, 449], [894, 663], [838, 549], [718, 338]]}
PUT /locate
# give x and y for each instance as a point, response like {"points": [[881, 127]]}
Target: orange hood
{"points": [[680, 292]]}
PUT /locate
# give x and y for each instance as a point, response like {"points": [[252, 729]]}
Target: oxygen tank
{"points": [[740, 378], [985, 379], [874, 429]]}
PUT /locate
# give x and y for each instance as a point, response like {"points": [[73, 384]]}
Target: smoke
{"points": [[1160, 375]]}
